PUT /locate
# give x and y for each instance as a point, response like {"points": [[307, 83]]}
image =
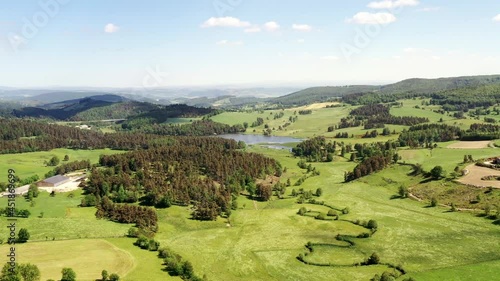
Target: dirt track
{"points": [[470, 144], [475, 174]]}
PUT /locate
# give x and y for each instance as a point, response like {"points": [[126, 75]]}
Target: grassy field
{"points": [[264, 239], [29, 164], [87, 257], [261, 240], [62, 219]]}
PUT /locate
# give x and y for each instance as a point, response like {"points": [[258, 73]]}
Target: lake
{"points": [[267, 141]]}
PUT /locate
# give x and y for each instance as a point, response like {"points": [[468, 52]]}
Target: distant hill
{"points": [[54, 97], [409, 86], [320, 94], [424, 86], [66, 110]]}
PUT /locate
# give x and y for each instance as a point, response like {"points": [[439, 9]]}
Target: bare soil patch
{"points": [[470, 144], [475, 173]]}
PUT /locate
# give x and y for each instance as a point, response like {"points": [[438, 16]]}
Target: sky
{"points": [[162, 43]]}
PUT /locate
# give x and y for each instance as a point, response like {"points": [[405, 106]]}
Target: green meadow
{"points": [[29, 164], [262, 240]]}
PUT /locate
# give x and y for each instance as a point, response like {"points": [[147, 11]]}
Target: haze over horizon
{"points": [[70, 43]]}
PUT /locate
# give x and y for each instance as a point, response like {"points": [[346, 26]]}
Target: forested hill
{"points": [[109, 107], [320, 94], [425, 86], [355, 94]]}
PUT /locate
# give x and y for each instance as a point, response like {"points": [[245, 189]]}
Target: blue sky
{"points": [[148, 43]]}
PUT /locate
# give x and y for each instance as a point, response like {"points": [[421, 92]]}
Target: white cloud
{"points": [[302, 27], [330, 58], [271, 26], [229, 43], [300, 41], [436, 57], [497, 18], [372, 18], [391, 4], [252, 29], [224, 22], [111, 28]]}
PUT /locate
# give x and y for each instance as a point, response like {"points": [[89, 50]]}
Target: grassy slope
{"points": [[28, 164]]}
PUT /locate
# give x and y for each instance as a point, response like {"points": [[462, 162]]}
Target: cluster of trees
{"points": [[305, 112], [257, 122], [109, 277], [69, 167], [467, 98], [375, 116], [420, 135], [147, 244], [375, 157], [316, 149], [278, 115], [145, 218], [202, 171], [21, 213], [19, 136], [196, 128], [368, 166], [481, 132], [21, 272]]}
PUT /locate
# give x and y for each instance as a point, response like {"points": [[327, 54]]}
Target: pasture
{"points": [[29, 164], [87, 257]]}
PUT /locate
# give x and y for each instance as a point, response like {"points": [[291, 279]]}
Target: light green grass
{"points": [[263, 243], [147, 264], [29, 164], [62, 219], [87, 257], [446, 157]]}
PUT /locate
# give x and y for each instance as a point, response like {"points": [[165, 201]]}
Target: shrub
{"points": [[434, 202], [302, 211], [320, 216], [373, 259], [331, 213], [372, 224]]}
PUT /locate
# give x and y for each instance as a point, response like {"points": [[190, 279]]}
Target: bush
{"points": [[68, 274], [403, 191], [142, 242], [114, 277], [345, 211], [434, 202], [302, 211], [373, 259], [133, 232], [153, 245], [23, 235], [331, 213], [320, 216], [372, 224]]}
